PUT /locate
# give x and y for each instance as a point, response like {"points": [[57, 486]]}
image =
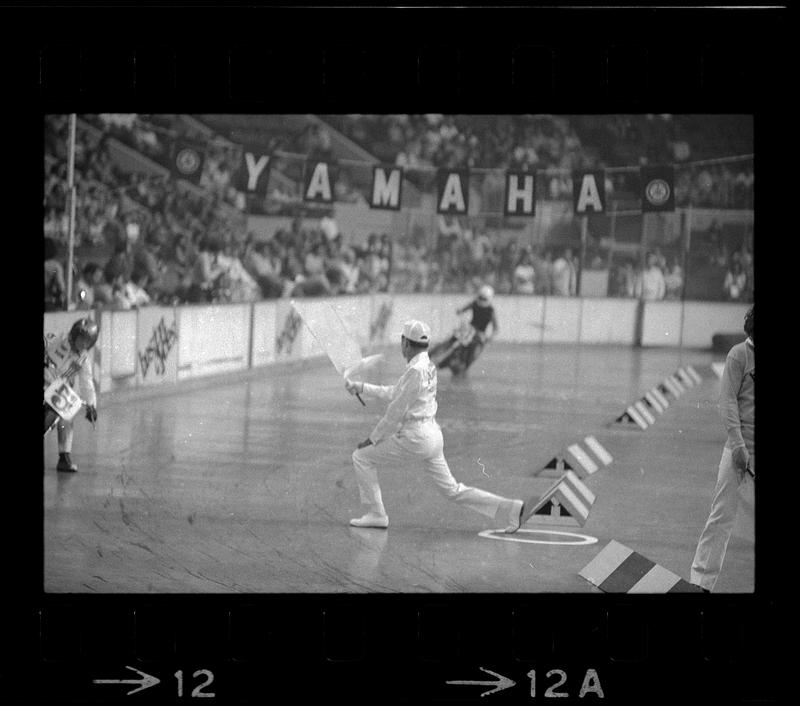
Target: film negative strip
{"points": [[401, 633]]}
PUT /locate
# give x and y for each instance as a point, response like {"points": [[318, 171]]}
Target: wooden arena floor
{"points": [[246, 485]]}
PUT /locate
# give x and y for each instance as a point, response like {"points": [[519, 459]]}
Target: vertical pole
{"points": [[582, 261], [612, 232], [71, 188], [687, 224]]}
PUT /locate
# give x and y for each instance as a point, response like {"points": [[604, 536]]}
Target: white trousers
{"points": [[713, 541], [421, 444], [64, 430]]}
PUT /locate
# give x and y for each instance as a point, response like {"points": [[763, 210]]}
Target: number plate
{"points": [[63, 399]]}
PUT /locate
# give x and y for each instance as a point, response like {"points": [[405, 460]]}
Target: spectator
{"points": [[650, 285], [135, 290], [673, 281], [735, 284], [120, 263], [385, 250], [314, 262], [350, 271], [265, 268], [524, 273], [54, 286], [102, 289], [207, 273], [565, 278], [544, 273], [237, 282], [85, 284], [508, 260], [119, 291]]}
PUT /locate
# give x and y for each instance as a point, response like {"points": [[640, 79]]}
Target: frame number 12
{"points": [[197, 692]]}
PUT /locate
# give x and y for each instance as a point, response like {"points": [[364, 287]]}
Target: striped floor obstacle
{"points": [[618, 569], [655, 403], [640, 413], [632, 418], [694, 374], [669, 386], [718, 368], [579, 460], [567, 502], [684, 377], [644, 412]]}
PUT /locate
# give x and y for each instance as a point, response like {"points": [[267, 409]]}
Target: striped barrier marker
{"points": [[670, 387], [650, 400], [598, 450], [567, 502], [718, 368], [576, 459], [583, 459], [573, 458], [695, 375], [677, 383], [649, 418], [630, 417], [619, 569], [685, 378], [660, 397]]}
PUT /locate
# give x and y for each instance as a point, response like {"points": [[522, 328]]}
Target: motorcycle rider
{"points": [[465, 347], [69, 357]]}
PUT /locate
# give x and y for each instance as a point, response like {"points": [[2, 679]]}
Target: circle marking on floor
{"points": [[583, 539]]}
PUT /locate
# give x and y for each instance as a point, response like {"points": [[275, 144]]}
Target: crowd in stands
{"points": [[463, 259], [145, 238]]}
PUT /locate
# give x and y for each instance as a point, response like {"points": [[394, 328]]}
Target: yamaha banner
{"points": [[658, 188], [187, 161]]}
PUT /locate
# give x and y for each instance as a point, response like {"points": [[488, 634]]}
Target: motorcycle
{"points": [[460, 350]]}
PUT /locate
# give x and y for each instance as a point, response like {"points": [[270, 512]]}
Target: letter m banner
{"points": [[387, 187]]}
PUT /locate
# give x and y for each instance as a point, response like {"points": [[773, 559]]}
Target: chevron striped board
{"points": [[619, 569]]}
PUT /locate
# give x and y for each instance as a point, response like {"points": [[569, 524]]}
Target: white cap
{"points": [[416, 331]]}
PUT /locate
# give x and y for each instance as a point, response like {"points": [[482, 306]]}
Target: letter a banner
{"points": [[452, 192], [589, 191], [319, 182], [658, 188]]}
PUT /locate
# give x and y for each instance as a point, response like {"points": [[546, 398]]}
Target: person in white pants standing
{"points": [[737, 467], [408, 432]]}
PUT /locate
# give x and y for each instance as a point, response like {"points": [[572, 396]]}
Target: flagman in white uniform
{"points": [[408, 432], [737, 406], [69, 356]]}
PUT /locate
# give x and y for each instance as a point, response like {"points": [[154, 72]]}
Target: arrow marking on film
{"points": [[145, 683], [503, 683]]}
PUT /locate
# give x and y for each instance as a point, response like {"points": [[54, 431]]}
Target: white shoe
{"points": [[515, 516], [371, 519]]}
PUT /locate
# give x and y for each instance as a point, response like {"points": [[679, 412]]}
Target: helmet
{"points": [[83, 335], [485, 294]]}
